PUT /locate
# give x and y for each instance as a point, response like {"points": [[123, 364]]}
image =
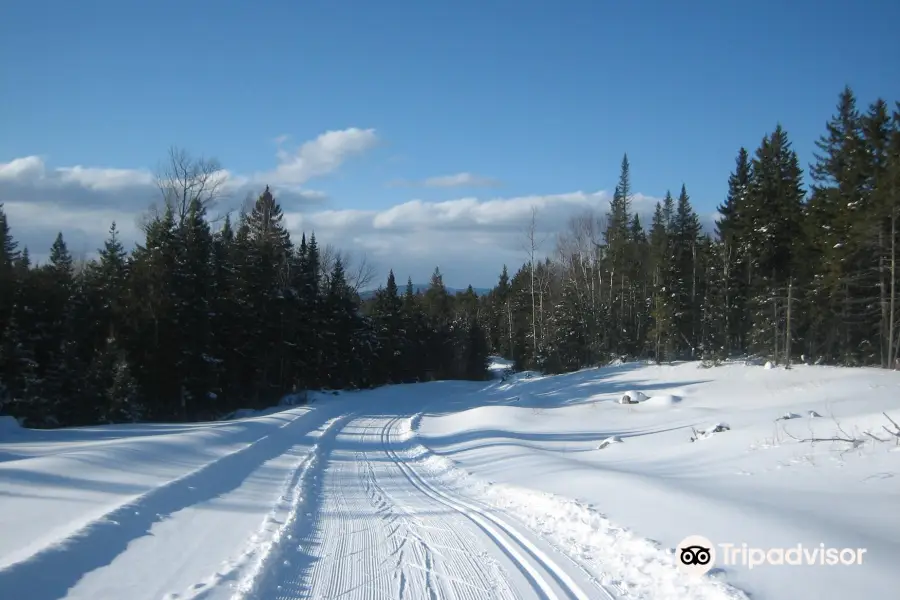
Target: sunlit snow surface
{"points": [[523, 487]]}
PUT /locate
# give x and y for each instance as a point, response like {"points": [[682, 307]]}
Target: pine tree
{"points": [[838, 177], [617, 244], [776, 242], [341, 353], [388, 322], [193, 281], [734, 232], [684, 246], [662, 311], [9, 285], [154, 309], [266, 281]]}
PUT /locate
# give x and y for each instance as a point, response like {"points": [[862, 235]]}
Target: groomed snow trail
{"points": [[379, 529]]}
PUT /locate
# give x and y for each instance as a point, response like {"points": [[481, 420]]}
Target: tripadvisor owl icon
{"points": [[695, 555]]}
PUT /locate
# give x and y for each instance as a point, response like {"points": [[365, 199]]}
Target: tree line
{"points": [[203, 318], [195, 323], [788, 273]]}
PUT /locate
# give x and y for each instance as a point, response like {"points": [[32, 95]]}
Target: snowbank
{"points": [[9, 426], [816, 477]]}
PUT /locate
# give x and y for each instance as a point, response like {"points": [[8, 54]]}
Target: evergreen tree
{"points": [[193, 282], [618, 247], [734, 230], [777, 196], [662, 310], [684, 274], [193, 324]]}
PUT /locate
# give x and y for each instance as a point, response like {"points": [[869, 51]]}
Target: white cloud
{"points": [[105, 179], [460, 180], [30, 167], [470, 238], [320, 156], [469, 180]]}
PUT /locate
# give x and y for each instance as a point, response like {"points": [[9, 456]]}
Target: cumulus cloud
{"points": [[469, 238], [460, 180], [320, 156], [464, 179], [83, 201]]}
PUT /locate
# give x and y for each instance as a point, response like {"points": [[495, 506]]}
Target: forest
{"points": [[205, 316]]}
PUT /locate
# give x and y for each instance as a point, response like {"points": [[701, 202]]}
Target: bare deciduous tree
{"points": [[359, 271], [532, 245], [182, 179]]}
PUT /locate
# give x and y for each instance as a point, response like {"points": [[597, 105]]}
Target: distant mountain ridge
{"points": [[421, 287]]}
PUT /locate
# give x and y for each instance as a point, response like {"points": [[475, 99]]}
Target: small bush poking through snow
{"points": [[702, 434], [614, 439], [788, 416]]}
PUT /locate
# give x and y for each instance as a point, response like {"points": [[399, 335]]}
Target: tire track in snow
{"points": [[49, 573], [267, 543], [539, 567], [285, 543]]}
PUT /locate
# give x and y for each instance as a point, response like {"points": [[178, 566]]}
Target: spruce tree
{"points": [[734, 230], [684, 246]]}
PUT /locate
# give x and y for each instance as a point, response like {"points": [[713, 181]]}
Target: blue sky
{"points": [[534, 101]]}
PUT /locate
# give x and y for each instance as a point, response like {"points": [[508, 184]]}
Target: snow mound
{"points": [[498, 363], [662, 400], [632, 397], [405, 430], [8, 426], [769, 365], [636, 397]]}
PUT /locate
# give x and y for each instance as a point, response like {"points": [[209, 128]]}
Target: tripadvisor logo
{"points": [[696, 555]]}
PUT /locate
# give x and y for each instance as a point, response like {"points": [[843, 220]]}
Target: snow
{"points": [[9, 427], [751, 484], [528, 486]]}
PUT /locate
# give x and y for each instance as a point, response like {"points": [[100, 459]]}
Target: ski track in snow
{"points": [[382, 532], [609, 555], [365, 512]]}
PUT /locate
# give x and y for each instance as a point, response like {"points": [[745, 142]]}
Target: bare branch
{"points": [[845, 437], [183, 179], [359, 272], [363, 275]]}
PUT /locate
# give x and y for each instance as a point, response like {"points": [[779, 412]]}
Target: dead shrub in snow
{"points": [[788, 416], [702, 434], [614, 439], [855, 440]]}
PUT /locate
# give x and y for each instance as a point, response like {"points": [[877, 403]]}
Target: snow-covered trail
{"points": [[382, 530], [314, 503]]}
